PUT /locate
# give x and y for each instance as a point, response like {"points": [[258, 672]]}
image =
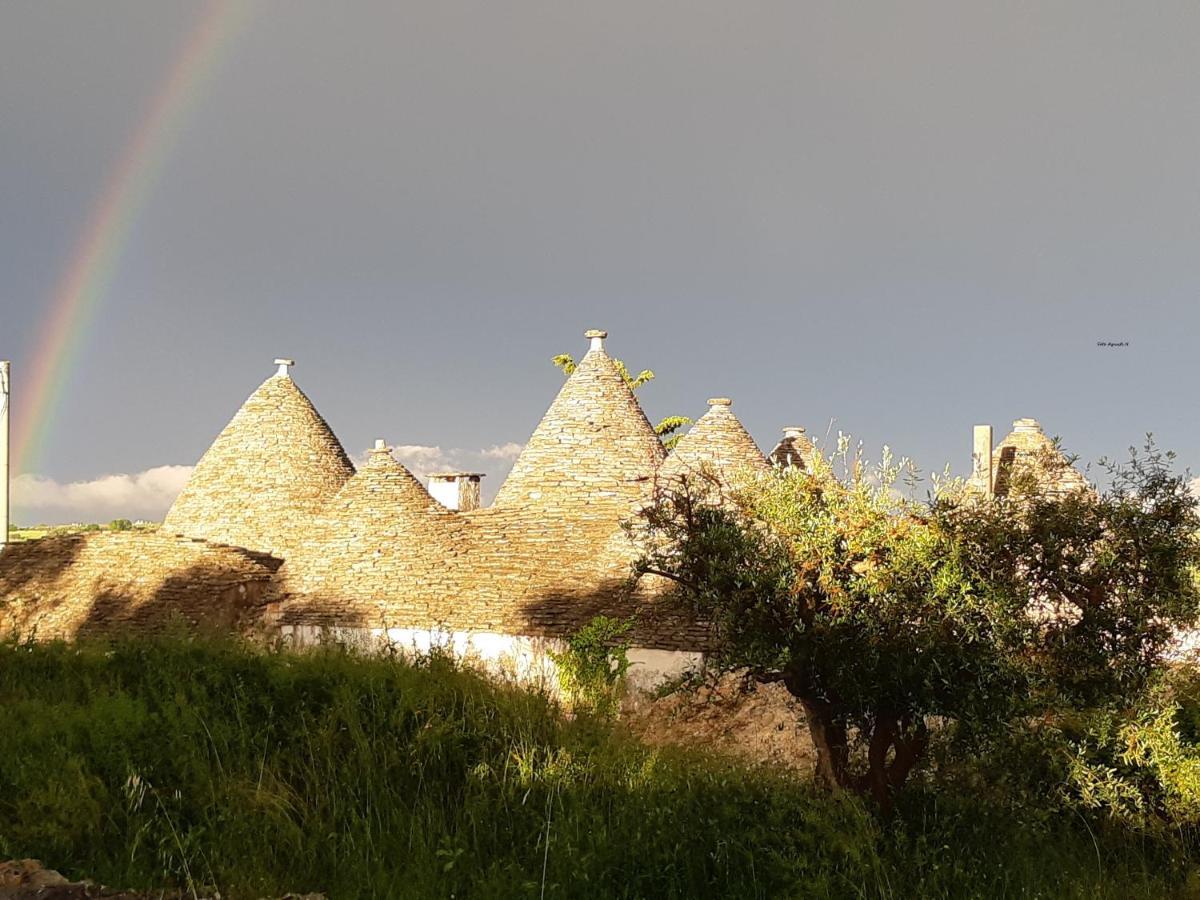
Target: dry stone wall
{"points": [[104, 582]]}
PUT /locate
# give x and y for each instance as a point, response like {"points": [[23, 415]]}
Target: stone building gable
{"points": [[273, 467], [1028, 449], [593, 446], [716, 444], [794, 448], [108, 582]]}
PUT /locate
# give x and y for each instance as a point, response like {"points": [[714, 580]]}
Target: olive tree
{"points": [[883, 614]]}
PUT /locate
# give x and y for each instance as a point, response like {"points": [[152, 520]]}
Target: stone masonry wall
{"points": [[104, 582]]}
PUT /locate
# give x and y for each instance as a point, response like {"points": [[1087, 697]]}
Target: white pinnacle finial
{"points": [[597, 338], [284, 365]]}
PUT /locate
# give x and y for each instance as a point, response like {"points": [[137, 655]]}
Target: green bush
{"points": [[592, 668]]}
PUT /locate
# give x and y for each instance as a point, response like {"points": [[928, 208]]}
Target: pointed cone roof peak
{"points": [[718, 441], [1028, 449], [382, 485], [795, 448], [594, 444], [382, 538], [596, 336], [274, 465]]}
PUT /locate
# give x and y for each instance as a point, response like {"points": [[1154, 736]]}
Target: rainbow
{"points": [[90, 270]]}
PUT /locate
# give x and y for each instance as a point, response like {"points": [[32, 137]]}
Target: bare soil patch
{"points": [[756, 723]]}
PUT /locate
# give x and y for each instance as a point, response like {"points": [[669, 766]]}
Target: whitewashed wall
{"points": [[525, 659]]}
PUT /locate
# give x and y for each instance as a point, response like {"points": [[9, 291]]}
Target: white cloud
{"points": [[421, 459], [149, 494], [509, 451], [143, 495], [1194, 486]]}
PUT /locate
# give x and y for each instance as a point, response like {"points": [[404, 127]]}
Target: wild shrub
{"points": [[593, 666]]}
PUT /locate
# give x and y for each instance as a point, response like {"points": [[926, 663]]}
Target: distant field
{"points": [[27, 534], [34, 532]]}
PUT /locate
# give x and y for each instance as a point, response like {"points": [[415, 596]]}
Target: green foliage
{"points": [[592, 668], [120, 525], [566, 362], [668, 429], [1139, 765], [881, 614], [170, 762]]}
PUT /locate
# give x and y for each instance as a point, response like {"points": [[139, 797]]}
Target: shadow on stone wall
{"points": [[658, 622], [99, 583]]}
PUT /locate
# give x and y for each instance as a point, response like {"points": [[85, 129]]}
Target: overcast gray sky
{"points": [[906, 218]]}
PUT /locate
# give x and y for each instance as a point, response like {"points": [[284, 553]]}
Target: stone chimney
{"points": [[597, 338], [981, 458], [455, 490]]}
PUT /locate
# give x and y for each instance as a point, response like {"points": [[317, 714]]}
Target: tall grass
{"points": [[215, 764]]}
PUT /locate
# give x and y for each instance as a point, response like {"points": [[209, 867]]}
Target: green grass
{"points": [[215, 764]]}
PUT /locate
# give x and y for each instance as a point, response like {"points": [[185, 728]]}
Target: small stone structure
{"points": [[717, 447], [794, 448], [458, 491], [1027, 452], [275, 532]]}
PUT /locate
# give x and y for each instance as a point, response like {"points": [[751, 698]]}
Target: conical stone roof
{"points": [[274, 466], [716, 444], [381, 540], [794, 448], [1028, 450], [594, 446]]}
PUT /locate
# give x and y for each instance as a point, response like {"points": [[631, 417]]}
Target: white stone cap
{"points": [[597, 338], [793, 430], [719, 401], [454, 476], [380, 447], [284, 365], [1026, 425]]}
